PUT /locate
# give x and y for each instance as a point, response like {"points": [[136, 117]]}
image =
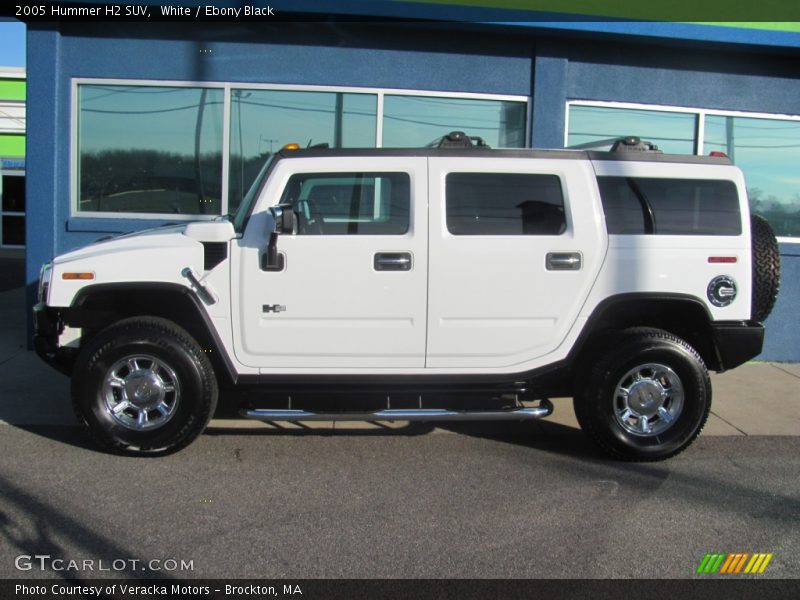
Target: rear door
{"points": [[515, 245], [352, 293]]}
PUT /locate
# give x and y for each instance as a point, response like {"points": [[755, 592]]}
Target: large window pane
{"points": [[149, 149], [262, 121], [768, 151], [504, 204], [597, 127], [416, 121]]}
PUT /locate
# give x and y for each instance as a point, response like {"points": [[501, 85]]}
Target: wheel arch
{"points": [[96, 307], [682, 315]]}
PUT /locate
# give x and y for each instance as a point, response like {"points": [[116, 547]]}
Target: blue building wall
{"points": [[45, 137], [550, 70], [783, 327]]}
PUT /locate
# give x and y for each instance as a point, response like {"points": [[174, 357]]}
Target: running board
{"points": [[544, 409]]}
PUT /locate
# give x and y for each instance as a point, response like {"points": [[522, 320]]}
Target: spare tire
{"points": [[766, 268]]}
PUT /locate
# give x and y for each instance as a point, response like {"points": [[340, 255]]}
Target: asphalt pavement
{"points": [[380, 505]]}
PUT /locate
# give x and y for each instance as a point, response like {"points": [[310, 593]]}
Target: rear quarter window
{"points": [[641, 205]]}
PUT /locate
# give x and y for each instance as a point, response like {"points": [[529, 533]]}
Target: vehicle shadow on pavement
{"points": [[552, 438], [70, 435], [541, 435], [546, 436]]}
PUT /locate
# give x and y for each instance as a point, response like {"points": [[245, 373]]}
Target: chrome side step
{"points": [[544, 409]]}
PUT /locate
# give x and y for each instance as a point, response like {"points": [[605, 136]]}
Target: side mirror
{"points": [[285, 222], [285, 219]]}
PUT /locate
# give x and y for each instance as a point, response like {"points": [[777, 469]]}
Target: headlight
{"points": [[45, 274]]}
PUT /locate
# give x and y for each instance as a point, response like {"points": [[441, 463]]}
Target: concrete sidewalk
{"points": [[758, 398]]}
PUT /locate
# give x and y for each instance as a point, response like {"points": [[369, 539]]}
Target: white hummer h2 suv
{"points": [[444, 283]]}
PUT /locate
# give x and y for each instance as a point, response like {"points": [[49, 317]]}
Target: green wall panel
{"points": [[12, 145], [12, 90]]}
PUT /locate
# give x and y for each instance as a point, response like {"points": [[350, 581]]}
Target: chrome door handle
{"points": [[563, 261], [392, 261]]}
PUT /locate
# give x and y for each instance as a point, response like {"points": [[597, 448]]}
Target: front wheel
{"points": [[647, 398], [144, 386]]}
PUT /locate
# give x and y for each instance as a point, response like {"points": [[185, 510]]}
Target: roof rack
{"points": [[458, 139], [631, 143]]}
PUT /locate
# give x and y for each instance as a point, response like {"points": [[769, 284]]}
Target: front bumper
{"points": [[47, 327], [737, 342]]}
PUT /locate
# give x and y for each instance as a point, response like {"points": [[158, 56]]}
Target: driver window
{"points": [[350, 203]]}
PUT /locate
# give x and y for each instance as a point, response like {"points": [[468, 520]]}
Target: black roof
{"points": [[507, 153]]}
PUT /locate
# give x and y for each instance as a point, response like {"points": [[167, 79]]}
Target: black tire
{"points": [[666, 365], [144, 386], [766, 268]]}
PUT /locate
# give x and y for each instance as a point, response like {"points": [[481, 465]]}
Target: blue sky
{"points": [[12, 44]]}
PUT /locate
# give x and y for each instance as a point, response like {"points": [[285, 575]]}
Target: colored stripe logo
{"points": [[735, 563]]}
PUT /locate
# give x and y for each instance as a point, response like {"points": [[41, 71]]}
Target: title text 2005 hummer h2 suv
{"points": [[444, 283]]}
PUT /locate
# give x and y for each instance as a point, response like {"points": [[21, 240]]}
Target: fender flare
{"points": [[159, 299]]}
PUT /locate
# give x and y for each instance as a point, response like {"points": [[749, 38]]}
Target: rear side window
{"points": [[350, 203], [638, 205], [504, 204]]}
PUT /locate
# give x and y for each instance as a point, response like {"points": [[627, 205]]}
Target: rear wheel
{"points": [[144, 386], [647, 398]]}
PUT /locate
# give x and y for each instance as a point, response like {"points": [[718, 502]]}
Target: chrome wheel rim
{"points": [[648, 399], [141, 392]]}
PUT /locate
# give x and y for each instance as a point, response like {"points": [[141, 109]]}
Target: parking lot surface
{"points": [[380, 504]]}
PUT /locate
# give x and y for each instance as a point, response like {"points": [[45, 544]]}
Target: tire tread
{"points": [[585, 398], [766, 268], [152, 329]]}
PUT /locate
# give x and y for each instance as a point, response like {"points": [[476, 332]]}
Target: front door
{"points": [[352, 291]]}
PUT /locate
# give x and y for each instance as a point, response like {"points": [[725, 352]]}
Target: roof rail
{"points": [[458, 139]]}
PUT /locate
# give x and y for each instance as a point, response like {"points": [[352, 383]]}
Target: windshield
{"points": [[244, 208]]}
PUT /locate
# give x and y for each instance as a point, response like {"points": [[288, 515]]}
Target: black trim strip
{"points": [[647, 210]]}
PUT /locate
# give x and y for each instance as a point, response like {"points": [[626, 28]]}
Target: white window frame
{"points": [[227, 87], [700, 115], [3, 213]]}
